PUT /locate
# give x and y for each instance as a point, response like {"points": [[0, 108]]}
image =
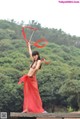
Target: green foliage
{"points": [[70, 109], [71, 88], [9, 93], [9, 30]]}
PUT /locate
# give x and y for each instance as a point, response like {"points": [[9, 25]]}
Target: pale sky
{"points": [[49, 13]]}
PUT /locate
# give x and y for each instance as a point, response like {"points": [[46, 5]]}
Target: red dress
{"points": [[32, 101]]}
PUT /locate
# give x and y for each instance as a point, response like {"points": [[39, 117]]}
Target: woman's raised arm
{"points": [[29, 49]]}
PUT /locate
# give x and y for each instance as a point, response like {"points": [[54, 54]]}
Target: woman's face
{"points": [[35, 57]]}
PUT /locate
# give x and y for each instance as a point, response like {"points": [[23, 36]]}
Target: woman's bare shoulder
{"points": [[39, 61]]}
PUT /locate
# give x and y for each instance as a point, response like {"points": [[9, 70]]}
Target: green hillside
{"points": [[59, 82]]}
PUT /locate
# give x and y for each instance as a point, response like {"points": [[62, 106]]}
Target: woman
{"points": [[32, 101]]}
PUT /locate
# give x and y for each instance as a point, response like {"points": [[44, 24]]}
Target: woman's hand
{"points": [[44, 61], [28, 43]]}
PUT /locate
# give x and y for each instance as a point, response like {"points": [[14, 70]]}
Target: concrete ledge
{"points": [[18, 115]]}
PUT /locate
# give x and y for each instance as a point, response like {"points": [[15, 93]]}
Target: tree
{"points": [[71, 89]]}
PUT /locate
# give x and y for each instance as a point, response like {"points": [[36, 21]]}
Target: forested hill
{"points": [[59, 81], [12, 30]]}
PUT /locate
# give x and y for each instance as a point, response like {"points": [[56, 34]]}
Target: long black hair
{"points": [[33, 54]]}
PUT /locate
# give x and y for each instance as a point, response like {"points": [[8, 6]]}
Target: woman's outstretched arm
{"points": [[29, 49]]}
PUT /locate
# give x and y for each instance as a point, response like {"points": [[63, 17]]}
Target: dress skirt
{"points": [[32, 101]]}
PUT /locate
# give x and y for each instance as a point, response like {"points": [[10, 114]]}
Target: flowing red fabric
{"points": [[36, 43], [40, 40], [32, 101]]}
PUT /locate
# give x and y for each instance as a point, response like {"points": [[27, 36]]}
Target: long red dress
{"points": [[32, 101]]}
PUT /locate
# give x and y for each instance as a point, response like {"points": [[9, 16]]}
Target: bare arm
{"points": [[30, 51]]}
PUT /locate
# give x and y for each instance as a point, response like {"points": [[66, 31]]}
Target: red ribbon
{"points": [[40, 40], [30, 27], [36, 44]]}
